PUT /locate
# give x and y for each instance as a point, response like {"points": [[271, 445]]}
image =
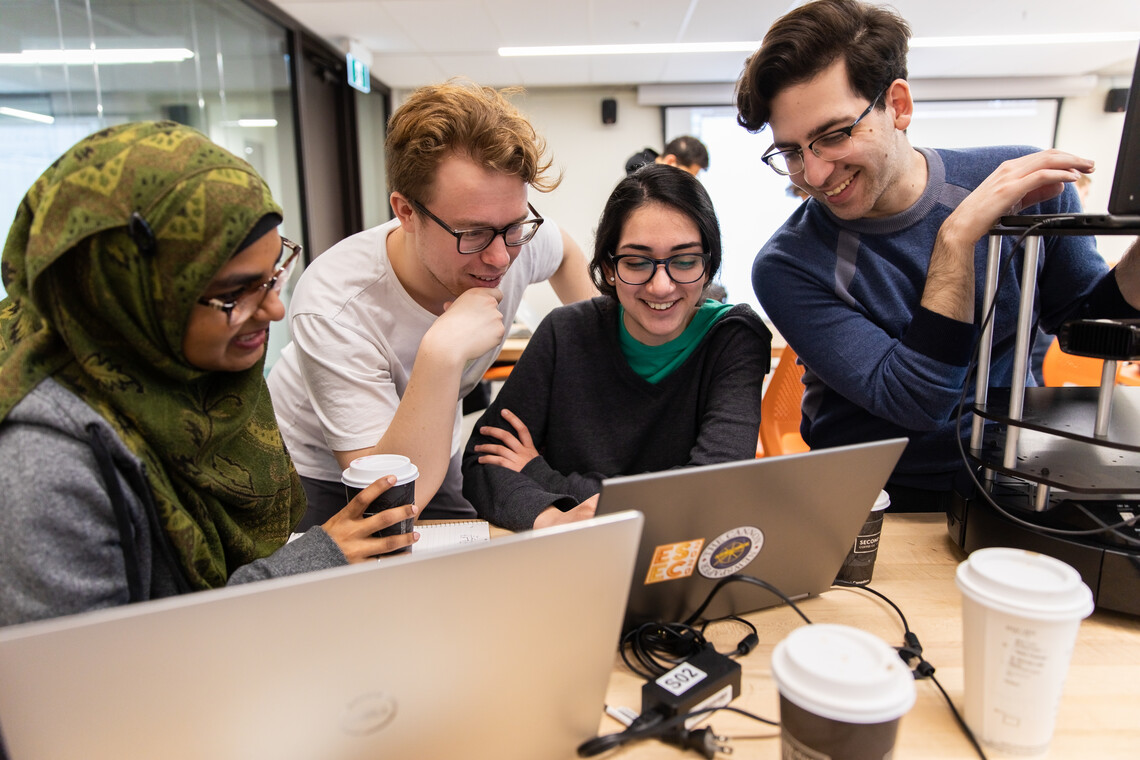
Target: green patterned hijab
{"points": [[101, 304]]}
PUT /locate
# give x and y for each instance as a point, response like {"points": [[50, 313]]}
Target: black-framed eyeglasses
{"points": [[831, 146], [684, 268], [476, 239], [240, 305]]}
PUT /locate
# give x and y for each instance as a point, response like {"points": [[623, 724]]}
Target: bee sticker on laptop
{"points": [[673, 561], [730, 551]]}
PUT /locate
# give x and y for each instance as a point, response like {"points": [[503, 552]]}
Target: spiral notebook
{"points": [[434, 536]]}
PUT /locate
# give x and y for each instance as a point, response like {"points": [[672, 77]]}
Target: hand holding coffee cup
{"points": [[365, 471], [358, 534]]}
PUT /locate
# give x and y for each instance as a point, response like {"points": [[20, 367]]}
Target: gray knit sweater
{"points": [[61, 550], [592, 417]]}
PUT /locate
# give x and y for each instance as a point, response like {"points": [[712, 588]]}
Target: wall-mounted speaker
{"points": [[609, 111], [1116, 100]]}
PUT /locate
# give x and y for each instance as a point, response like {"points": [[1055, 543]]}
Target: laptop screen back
{"points": [[1125, 197], [787, 520], [499, 650]]}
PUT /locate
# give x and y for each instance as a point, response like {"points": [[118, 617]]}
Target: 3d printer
{"points": [[1059, 472]]}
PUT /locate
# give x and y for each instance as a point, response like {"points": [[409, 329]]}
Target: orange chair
{"points": [[780, 409], [1060, 369], [499, 372]]}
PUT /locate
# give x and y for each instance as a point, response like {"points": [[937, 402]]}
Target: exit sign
{"points": [[358, 77]]}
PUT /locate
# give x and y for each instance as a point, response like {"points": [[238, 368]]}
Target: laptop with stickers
{"points": [[501, 649], [787, 520]]}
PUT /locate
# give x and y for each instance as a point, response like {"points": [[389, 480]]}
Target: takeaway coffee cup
{"points": [[1020, 615], [364, 471], [842, 693], [860, 562]]}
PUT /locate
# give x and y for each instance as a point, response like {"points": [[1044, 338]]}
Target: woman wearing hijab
{"points": [[140, 453], [649, 376]]}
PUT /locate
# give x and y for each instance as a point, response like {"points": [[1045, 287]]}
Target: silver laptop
{"points": [[787, 520], [497, 650], [1124, 199]]}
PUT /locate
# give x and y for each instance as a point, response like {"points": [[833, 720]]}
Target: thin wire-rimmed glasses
{"points": [[832, 146], [684, 268], [476, 239], [240, 305]]}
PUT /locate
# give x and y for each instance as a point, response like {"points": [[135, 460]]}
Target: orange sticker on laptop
{"points": [[673, 561]]}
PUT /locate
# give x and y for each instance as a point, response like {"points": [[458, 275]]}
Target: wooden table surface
{"points": [[1098, 718]]}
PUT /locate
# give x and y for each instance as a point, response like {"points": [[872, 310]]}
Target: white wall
{"points": [[592, 155]]}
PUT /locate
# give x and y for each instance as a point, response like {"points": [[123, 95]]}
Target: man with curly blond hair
{"points": [[393, 326]]}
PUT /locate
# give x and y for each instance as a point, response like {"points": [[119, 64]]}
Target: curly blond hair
{"points": [[460, 117]]}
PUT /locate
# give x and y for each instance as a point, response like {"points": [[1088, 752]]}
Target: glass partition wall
{"points": [[70, 67]]}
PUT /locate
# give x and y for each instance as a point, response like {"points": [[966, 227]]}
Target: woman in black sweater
{"points": [[650, 375]]}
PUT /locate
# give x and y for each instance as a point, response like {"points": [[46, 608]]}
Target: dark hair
{"points": [[688, 150], [654, 183], [871, 40], [640, 159]]}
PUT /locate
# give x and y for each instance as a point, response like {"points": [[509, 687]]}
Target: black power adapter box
{"points": [[706, 680]]}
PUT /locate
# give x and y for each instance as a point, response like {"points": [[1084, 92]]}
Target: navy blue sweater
{"points": [[845, 295]]}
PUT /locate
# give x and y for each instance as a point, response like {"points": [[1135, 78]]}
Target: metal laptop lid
{"points": [[787, 520], [502, 649], [1124, 199], [1125, 196]]}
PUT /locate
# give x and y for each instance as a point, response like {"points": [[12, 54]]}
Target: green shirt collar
{"points": [[655, 363]]}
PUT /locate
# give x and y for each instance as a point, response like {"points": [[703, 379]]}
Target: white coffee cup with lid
{"points": [[364, 471], [1020, 615]]}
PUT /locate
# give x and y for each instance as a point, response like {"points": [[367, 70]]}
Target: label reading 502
{"points": [[681, 678]]}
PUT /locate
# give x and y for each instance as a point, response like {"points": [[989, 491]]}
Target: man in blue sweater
{"points": [[876, 282]]}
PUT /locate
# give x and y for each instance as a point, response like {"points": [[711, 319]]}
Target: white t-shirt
{"points": [[356, 331]]}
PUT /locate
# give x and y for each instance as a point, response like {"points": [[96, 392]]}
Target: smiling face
{"points": [[210, 342], [659, 310], [880, 176], [464, 195]]}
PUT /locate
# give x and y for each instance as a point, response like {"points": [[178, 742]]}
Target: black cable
{"points": [[971, 370], [659, 647], [881, 595], [1129, 522], [653, 649], [654, 727], [911, 654], [747, 644], [743, 579], [958, 717], [649, 643]]}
